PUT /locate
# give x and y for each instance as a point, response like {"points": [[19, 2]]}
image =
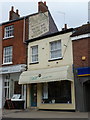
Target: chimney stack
{"points": [[13, 15], [42, 7]]}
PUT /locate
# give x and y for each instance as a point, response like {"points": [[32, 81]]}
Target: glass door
{"points": [[33, 95]]}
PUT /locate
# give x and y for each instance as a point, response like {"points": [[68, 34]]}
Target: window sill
{"points": [[55, 59], [33, 63], [58, 103], [7, 37], [7, 63]]}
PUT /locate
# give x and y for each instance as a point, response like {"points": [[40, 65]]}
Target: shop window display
{"points": [[56, 92]]}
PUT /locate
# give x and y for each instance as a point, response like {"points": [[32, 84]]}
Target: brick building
{"points": [[81, 57], [13, 55], [14, 50]]}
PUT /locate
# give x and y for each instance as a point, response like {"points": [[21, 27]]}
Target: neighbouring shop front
{"points": [[82, 83], [51, 88], [10, 86]]}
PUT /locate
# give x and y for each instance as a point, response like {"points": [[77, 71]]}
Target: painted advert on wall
{"points": [[38, 25]]}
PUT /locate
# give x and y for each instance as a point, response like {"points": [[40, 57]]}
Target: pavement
{"points": [[42, 114]]}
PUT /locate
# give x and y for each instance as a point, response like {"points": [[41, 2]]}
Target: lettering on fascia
{"points": [[37, 78]]}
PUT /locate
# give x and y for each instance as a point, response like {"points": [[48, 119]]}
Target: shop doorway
{"points": [[33, 95], [87, 96]]}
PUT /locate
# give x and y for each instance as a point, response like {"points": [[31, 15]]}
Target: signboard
{"points": [[38, 25], [12, 69], [83, 71]]}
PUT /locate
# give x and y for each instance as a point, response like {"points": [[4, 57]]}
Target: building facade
{"points": [[49, 77], [13, 58], [81, 57], [14, 50]]}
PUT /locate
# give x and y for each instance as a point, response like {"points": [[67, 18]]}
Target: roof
{"points": [[84, 29], [10, 21], [50, 35]]}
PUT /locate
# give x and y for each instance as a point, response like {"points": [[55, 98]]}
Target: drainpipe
{"points": [[24, 31], [25, 86]]}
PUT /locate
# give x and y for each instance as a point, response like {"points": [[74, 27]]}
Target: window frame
{"points": [[8, 31], [36, 54], [9, 55], [7, 88], [59, 49]]}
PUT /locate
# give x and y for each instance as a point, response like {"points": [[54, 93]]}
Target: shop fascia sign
{"points": [[13, 69], [40, 77]]}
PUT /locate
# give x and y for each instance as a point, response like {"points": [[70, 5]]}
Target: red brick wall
{"points": [[27, 29], [81, 48], [19, 48], [0, 45]]}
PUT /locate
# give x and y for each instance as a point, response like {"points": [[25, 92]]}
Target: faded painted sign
{"points": [[38, 25]]}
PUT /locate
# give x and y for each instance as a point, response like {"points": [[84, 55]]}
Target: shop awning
{"points": [[46, 75]]}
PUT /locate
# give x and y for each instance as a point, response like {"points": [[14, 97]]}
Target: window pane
{"points": [[55, 49], [9, 31], [8, 54], [34, 53]]}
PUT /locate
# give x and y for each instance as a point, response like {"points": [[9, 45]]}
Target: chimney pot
{"points": [[65, 26], [17, 11], [12, 8], [44, 2]]}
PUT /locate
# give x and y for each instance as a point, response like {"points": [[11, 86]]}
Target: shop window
{"points": [[9, 31], [17, 88], [55, 49], [6, 89], [56, 92], [34, 55]]}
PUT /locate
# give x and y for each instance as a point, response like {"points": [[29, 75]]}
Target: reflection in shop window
{"points": [[56, 92], [17, 88]]}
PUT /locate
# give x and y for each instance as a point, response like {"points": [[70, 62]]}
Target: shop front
{"points": [[51, 88], [82, 82], [10, 79]]}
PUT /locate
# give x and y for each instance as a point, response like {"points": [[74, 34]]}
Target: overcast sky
{"points": [[72, 12]]}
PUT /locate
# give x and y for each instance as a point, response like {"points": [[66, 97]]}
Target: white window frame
{"points": [[7, 88], [33, 55], [56, 49], [9, 31], [7, 55]]}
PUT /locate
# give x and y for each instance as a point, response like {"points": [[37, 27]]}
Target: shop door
{"points": [[33, 95], [87, 96]]}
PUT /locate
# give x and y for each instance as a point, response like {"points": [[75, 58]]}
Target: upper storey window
{"points": [[55, 49], [9, 31], [34, 55], [7, 56]]}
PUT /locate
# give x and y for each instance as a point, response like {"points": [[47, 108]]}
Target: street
{"points": [[34, 114]]}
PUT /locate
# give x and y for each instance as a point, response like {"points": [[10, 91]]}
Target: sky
{"points": [[74, 13]]}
